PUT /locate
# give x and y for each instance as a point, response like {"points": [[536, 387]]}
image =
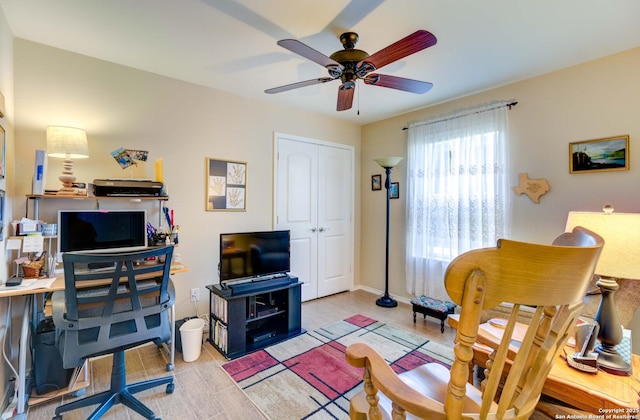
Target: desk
{"points": [[30, 305], [586, 391]]}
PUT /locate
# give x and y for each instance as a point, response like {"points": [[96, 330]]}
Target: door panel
{"points": [[296, 209], [335, 195]]}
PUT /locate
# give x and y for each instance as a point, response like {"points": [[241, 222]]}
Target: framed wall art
{"points": [[376, 182], [226, 185], [2, 215], [394, 190], [608, 154], [2, 153]]}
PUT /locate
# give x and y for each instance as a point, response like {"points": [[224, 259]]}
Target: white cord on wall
{"points": [[16, 383]]}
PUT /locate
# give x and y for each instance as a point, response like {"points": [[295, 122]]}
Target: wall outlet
{"points": [[195, 295]]}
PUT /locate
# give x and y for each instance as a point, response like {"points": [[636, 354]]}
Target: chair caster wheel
{"points": [[79, 393], [169, 367], [170, 388]]}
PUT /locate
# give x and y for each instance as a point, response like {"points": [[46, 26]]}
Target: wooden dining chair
{"points": [[550, 278]]}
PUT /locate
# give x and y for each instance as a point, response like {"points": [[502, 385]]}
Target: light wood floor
{"points": [[204, 391]]}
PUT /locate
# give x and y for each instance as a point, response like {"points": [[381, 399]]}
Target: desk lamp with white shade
{"points": [[620, 258], [67, 143]]}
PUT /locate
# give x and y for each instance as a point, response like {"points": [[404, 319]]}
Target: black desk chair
{"points": [[126, 309]]}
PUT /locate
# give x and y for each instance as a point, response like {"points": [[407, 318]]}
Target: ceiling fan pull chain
{"points": [[358, 113]]}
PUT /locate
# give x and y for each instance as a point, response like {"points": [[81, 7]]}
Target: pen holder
{"points": [[32, 269]]}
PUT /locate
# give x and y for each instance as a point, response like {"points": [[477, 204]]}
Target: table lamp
{"points": [[620, 258], [388, 163], [67, 143]]}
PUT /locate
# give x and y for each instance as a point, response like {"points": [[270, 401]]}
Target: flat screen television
{"points": [[249, 255], [95, 230]]}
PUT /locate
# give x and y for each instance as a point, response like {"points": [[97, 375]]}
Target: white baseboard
{"points": [[380, 292]]}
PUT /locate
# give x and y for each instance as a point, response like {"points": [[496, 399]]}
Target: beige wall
{"points": [[590, 101], [177, 121], [6, 184]]}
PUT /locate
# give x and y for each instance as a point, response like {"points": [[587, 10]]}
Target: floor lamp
{"points": [[620, 258], [388, 163]]}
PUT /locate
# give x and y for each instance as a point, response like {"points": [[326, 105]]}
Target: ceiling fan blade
{"points": [[408, 45], [307, 52], [299, 85], [345, 98], [400, 83]]}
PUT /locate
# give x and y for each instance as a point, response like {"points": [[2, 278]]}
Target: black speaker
{"points": [[48, 374]]}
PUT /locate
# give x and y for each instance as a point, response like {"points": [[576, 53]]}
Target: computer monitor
{"points": [[95, 230]]}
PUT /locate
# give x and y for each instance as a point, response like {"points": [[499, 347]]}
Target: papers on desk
{"points": [[28, 284]]}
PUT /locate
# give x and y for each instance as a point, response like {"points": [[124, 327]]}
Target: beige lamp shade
{"points": [[388, 162], [620, 255], [67, 142]]}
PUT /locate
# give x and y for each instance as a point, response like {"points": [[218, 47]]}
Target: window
{"points": [[458, 193]]}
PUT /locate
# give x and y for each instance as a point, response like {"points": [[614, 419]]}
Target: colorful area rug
{"points": [[308, 377]]}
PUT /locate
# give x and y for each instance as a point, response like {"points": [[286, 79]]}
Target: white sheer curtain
{"points": [[458, 192]]}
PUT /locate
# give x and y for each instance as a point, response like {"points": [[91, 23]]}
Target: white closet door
{"points": [[335, 246], [297, 209], [314, 200]]}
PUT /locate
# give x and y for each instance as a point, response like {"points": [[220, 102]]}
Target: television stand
{"points": [[250, 316]]}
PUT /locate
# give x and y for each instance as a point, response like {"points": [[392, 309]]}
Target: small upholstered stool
{"points": [[433, 307]]}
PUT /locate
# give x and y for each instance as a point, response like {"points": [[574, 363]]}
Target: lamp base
{"points": [[610, 361], [610, 334], [67, 191], [386, 302]]}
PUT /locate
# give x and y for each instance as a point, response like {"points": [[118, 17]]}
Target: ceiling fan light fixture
{"points": [[348, 85], [351, 64], [335, 71]]}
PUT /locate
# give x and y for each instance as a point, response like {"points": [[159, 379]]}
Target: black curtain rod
{"points": [[509, 105]]}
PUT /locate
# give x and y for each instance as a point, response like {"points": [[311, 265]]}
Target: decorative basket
{"points": [[32, 268]]}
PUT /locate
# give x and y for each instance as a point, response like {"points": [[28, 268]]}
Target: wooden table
{"points": [[586, 391]]}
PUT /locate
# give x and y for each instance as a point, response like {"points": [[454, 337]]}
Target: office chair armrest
{"points": [[172, 293], [58, 310]]}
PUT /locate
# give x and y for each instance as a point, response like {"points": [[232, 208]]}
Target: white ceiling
{"points": [[231, 44]]}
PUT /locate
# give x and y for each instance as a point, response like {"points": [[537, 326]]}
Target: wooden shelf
{"points": [[81, 383], [94, 197], [134, 198]]}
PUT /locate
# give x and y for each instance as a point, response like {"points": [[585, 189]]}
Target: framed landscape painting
{"points": [[376, 182], [608, 154]]}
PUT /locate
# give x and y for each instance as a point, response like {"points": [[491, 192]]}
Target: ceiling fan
{"points": [[351, 64]]}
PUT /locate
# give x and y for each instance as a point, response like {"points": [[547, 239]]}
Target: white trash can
{"points": [[191, 336]]}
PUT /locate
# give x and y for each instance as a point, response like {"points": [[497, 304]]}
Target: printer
{"points": [[126, 188]]}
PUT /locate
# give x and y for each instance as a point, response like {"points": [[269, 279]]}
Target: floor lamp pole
{"points": [[385, 300]]}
